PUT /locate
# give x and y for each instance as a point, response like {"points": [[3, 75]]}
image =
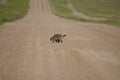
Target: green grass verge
{"points": [[108, 9], [60, 8], [12, 10]]}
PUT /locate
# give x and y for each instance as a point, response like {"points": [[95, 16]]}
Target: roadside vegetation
{"points": [[61, 8], [11, 10], [108, 9]]}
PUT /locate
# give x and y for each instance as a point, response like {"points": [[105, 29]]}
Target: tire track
{"points": [[81, 15]]}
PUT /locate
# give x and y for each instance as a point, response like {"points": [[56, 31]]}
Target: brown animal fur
{"points": [[57, 38]]}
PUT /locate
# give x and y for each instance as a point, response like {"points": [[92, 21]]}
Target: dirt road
{"points": [[89, 52]]}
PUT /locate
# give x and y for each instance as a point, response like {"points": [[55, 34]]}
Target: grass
{"points": [[109, 9], [12, 10], [60, 8]]}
